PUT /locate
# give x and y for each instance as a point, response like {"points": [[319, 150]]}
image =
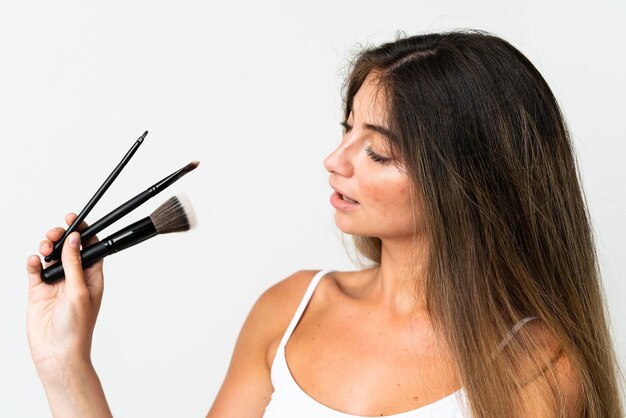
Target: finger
{"points": [[72, 264], [45, 247], [33, 268], [69, 219], [55, 234]]}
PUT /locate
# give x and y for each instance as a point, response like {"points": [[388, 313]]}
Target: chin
{"points": [[354, 228], [350, 227]]}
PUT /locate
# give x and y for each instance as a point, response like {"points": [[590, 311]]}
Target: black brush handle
{"points": [[125, 208], [88, 256], [124, 238], [58, 245]]}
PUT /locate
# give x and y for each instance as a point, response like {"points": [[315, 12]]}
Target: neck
{"points": [[397, 284]]}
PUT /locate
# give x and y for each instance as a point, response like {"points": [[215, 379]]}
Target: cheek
{"points": [[389, 192]]}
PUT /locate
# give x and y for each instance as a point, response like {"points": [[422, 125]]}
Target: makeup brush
{"points": [[58, 245], [175, 215], [129, 206]]}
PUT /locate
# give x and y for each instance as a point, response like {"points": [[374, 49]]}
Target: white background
{"points": [[252, 90]]}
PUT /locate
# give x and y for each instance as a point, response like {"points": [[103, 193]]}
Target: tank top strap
{"points": [[302, 306], [514, 330]]}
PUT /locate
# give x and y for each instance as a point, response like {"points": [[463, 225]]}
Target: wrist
{"points": [[64, 373], [76, 392]]}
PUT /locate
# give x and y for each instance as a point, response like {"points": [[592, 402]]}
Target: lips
{"points": [[341, 204], [343, 194], [347, 199]]}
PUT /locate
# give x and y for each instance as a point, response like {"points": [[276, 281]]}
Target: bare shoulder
{"points": [[247, 387], [550, 376], [288, 288], [278, 304], [285, 295]]}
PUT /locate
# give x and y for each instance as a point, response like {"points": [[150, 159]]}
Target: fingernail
{"points": [[74, 240]]}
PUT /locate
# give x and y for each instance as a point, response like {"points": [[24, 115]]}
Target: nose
{"points": [[339, 161]]}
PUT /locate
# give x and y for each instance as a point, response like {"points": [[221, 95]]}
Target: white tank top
{"points": [[290, 401]]}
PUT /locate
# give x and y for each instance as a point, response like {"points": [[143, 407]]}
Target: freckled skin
{"points": [[381, 189]]}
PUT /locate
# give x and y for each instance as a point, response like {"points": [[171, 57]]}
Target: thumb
{"points": [[72, 264]]}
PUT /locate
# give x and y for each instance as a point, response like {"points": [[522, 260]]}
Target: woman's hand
{"points": [[61, 317]]}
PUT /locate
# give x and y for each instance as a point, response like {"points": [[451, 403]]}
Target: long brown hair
{"points": [[498, 192]]}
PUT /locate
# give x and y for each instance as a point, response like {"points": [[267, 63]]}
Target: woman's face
{"points": [[357, 170]]}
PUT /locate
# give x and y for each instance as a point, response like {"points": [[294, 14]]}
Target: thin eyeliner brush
{"points": [[56, 250], [136, 201]]}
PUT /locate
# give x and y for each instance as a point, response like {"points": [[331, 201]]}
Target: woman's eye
{"points": [[376, 157]]}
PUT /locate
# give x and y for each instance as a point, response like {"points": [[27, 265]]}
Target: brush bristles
{"points": [[191, 166], [175, 215]]}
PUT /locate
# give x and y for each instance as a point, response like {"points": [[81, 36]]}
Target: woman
{"points": [[456, 178]]}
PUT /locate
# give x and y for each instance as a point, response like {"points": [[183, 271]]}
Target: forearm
{"points": [[76, 392]]}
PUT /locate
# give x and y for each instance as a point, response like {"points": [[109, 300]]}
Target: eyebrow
{"points": [[383, 131]]}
